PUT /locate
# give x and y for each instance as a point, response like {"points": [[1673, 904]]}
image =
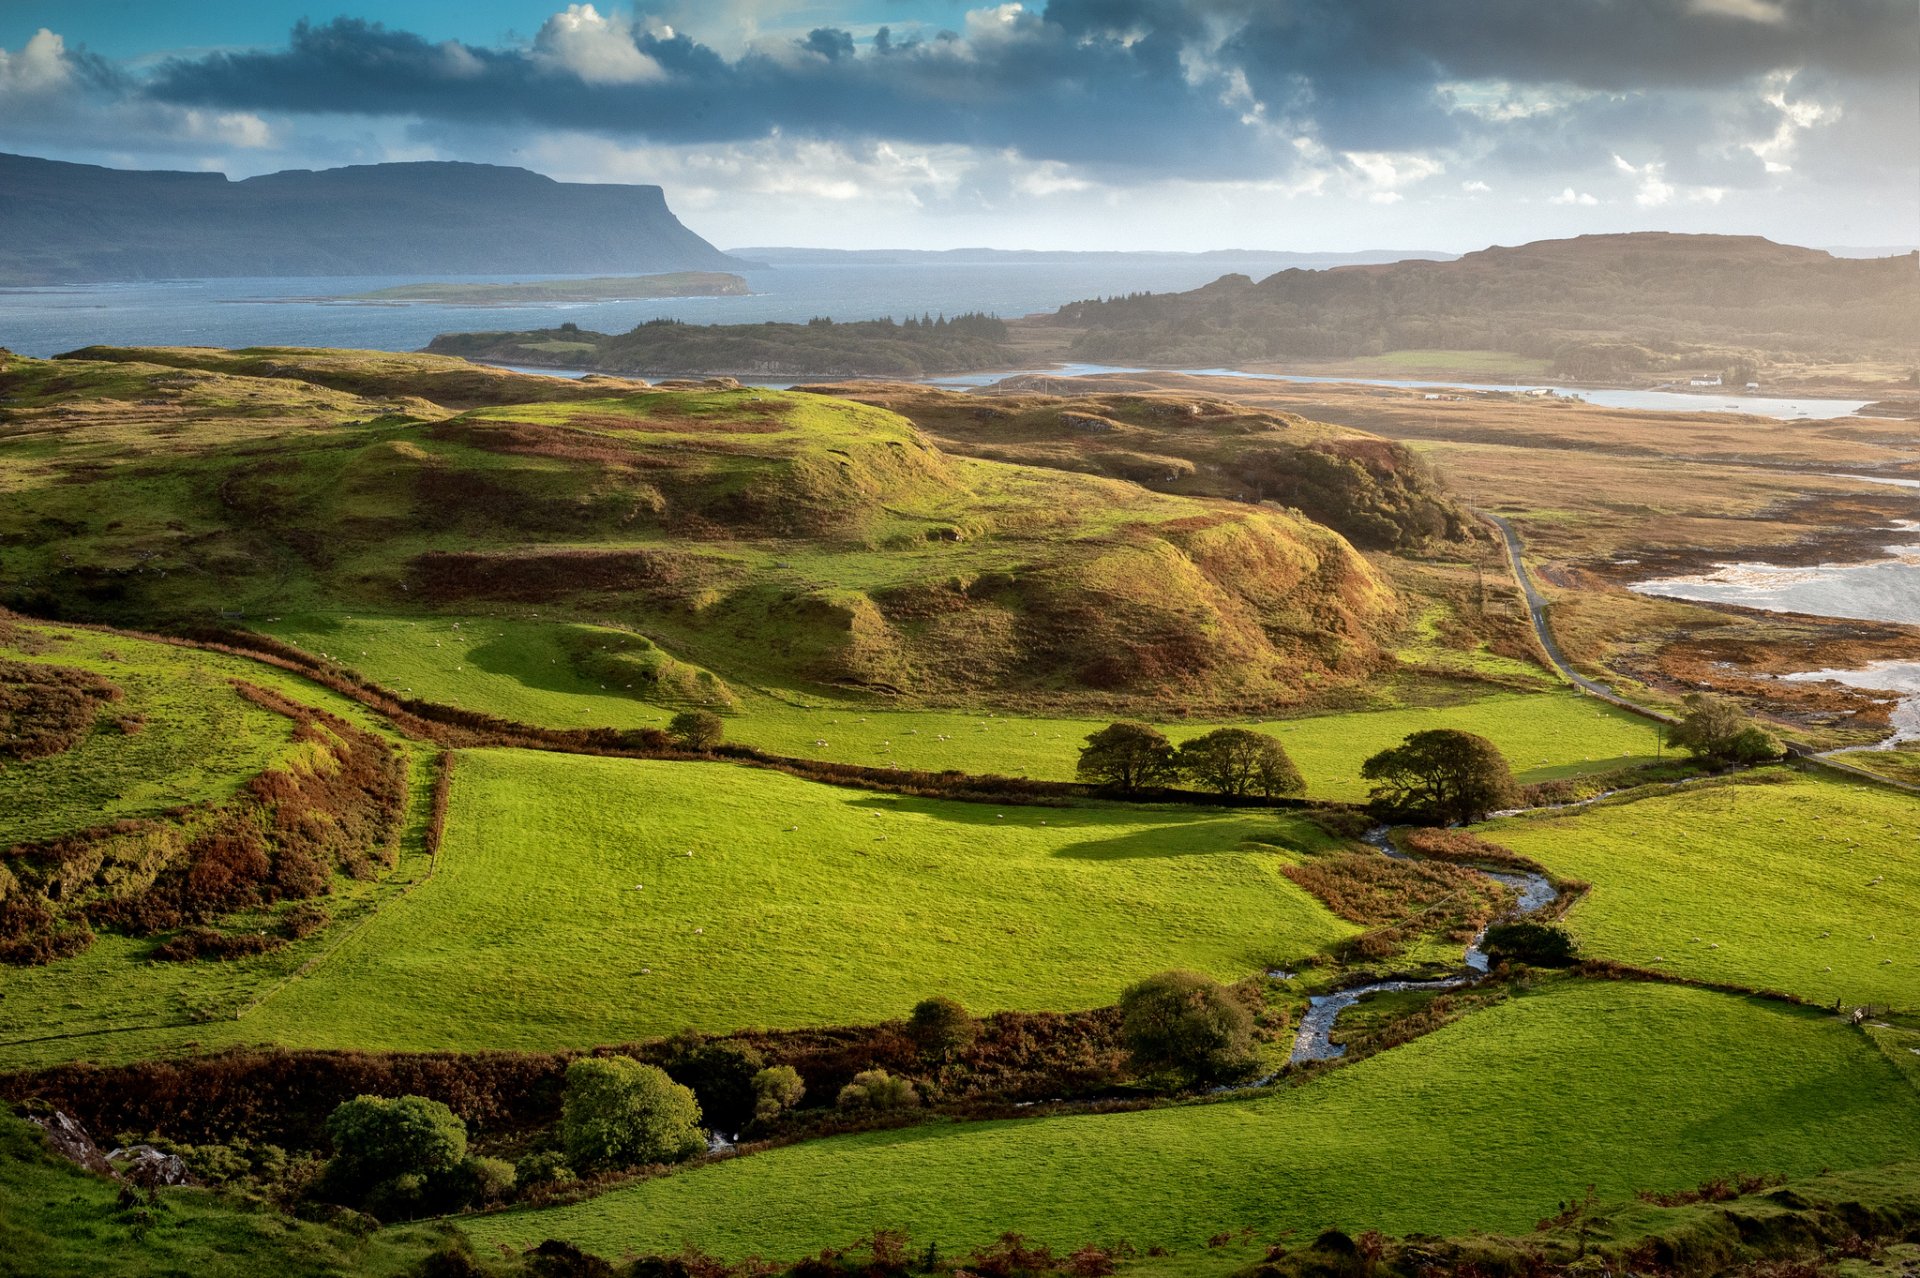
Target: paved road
{"points": [[1537, 610]]}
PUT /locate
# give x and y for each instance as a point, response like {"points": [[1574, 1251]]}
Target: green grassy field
{"points": [[201, 742], [533, 934], [1482, 1125], [519, 667], [57, 1221], [1811, 886]]}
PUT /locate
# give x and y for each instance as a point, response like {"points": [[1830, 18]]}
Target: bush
{"points": [[1525, 941], [776, 1090], [1237, 762], [619, 1113], [720, 1075], [482, 1182], [1716, 730], [377, 1139], [543, 1167], [875, 1089], [941, 1028], [1127, 757], [1190, 1025], [697, 729], [205, 942]]}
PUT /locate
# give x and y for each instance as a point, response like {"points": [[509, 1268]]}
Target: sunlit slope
{"points": [[566, 912], [767, 536], [1486, 1124]]}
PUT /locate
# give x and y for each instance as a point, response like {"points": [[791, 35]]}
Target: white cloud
{"points": [[1571, 196], [1652, 189], [1767, 12], [41, 66], [1383, 175], [1475, 187], [1796, 117], [596, 49]]}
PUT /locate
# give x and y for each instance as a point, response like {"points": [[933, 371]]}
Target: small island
{"points": [[606, 288], [913, 348]]}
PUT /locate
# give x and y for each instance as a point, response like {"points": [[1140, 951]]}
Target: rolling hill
{"points": [[792, 538], [1597, 305]]}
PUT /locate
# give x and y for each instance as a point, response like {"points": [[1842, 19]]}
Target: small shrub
{"points": [[205, 942], [1535, 944], [941, 1028], [304, 919], [877, 1090], [483, 1181], [618, 1112], [697, 729], [543, 1167], [776, 1090], [1190, 1025]]}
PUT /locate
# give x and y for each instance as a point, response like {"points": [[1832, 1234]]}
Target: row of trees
{"points": [[1442, 775], [1130, 757]]}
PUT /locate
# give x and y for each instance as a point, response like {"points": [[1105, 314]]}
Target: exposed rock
{"points": [[147, 1167], [70, 1141]]}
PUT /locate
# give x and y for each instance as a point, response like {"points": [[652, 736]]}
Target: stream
{"points": [[1314, 1040]]}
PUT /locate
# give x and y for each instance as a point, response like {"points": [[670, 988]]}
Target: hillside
{"points": [[69, 223], [784, 537], [1597, 306], [818, 348]]}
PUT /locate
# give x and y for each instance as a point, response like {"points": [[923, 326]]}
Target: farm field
{"points": [[1482, 1125], [519, 668], [565, 912], [1809, 884]]}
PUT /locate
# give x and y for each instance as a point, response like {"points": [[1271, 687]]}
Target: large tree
{"points": [[1128, 757], [1442, 774], [1718, 731], [1236, 761]]}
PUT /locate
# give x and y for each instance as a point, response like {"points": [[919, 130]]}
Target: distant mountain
{"points": [[69, 223], [1271, 259], [1598, 306]]}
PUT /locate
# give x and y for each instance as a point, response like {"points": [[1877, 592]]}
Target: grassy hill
{"points": [[565, 912], [1805, 885], [798, 539], [1484, 1125], [1597, 306]]}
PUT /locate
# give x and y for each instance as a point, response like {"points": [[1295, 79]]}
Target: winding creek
{"points": [[1314, 1040]]}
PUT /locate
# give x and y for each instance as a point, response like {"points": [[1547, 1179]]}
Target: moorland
{"points": [[490, 745]]}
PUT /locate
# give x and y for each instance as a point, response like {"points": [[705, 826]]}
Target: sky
{"points": [[1311, 125]]}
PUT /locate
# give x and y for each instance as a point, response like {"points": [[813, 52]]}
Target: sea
{"points": [[309, 311]]}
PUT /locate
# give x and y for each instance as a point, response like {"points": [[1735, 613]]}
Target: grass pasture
{"points": [[199, 742], [802, 905], [1809, 885], [519, 667], [1483, 1125]]}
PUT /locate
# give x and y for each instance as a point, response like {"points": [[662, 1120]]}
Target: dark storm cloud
{"points": [[1199, 88]]}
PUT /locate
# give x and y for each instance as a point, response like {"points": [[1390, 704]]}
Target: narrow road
{"points": [[1537, 611]]}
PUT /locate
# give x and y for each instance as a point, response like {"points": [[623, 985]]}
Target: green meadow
{"points": [[1486, 1124], [523, 668], [565, 911], [1806, 884], [199, 741]]}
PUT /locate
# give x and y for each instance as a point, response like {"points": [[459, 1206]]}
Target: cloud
{"points": [[1571, 196], [41, 66], [577, 41], [1207, 89]]}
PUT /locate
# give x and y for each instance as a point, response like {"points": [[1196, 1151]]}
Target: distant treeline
{"points": [[1597, 306], [926, 347]]}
